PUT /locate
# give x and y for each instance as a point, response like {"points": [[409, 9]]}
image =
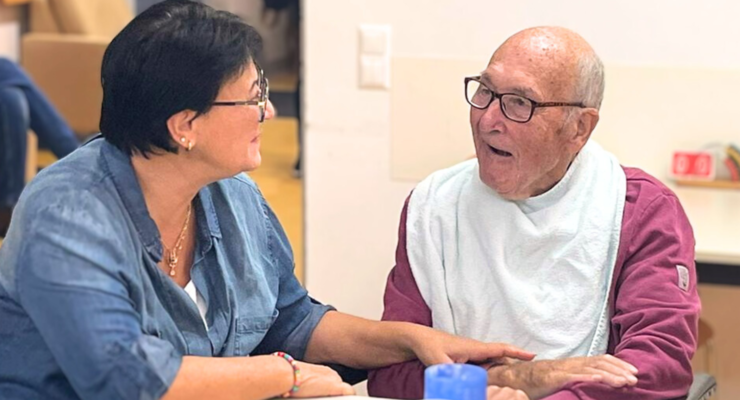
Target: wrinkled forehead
{"points": [[540, 65]]}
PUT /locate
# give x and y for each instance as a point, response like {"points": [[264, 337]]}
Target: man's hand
{"points": [[504, 393], [542, 378], [436, 347]]}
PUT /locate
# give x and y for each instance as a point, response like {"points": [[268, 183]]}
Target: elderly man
{"points": [[546, 242]]}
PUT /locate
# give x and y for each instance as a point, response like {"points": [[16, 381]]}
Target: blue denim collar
{"points": [[210, 210], [124, 179]]}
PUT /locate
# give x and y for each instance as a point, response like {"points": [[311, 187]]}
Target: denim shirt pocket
{"points": [[250, 330]]}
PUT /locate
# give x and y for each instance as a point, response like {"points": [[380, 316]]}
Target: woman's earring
{"points": [[182, 140], [190, 146]]}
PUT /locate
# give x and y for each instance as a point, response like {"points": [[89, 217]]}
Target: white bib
{"points": [[534, 273]]}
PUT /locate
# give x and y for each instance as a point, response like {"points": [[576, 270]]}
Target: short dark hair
{"points": [[174, 56]]}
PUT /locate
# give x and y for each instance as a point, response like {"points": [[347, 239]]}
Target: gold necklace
{"points": [[172, 259]]}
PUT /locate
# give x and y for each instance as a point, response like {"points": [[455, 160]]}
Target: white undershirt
{"points": [[198, 300]]}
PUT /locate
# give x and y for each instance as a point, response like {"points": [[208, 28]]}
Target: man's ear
{"points": [[587, 121], [181, 128]]}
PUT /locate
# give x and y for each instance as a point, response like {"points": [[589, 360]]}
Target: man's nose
{"points": [[493, 114]]}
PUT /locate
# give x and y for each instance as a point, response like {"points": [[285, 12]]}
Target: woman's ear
{"points": [[181, 128]]}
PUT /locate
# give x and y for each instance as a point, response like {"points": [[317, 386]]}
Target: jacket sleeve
{"points": [[656, 314]]}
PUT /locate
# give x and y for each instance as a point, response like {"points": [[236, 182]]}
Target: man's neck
{"points": [[553, 178]]}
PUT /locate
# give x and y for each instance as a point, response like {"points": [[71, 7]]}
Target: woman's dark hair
{"points": [[174, 56]]}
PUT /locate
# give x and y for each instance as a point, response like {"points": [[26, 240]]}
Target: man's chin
{"points": [[505, 190], [510, 195]]}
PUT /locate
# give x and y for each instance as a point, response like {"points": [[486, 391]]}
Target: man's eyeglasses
{"points": [[261, 102], [514, 107]]}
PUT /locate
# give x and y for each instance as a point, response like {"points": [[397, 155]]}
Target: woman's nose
{"points": [[270, 111]]}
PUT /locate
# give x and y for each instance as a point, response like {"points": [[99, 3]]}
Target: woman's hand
{"points": [[320, 381], [436, 347]]}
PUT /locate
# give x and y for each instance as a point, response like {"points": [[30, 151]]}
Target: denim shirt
{"points": [[85, 312]]}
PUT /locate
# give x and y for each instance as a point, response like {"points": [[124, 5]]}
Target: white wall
{"points": [[352, 203]]}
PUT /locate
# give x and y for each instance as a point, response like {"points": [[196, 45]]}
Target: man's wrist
{"points": [[527, 376], [533, 377], [502, 375]]}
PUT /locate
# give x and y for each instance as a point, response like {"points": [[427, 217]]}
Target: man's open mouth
{"points": [[499, 152]]}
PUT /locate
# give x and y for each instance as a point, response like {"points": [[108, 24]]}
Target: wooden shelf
{"points": [[15, 2], [710, 184]]}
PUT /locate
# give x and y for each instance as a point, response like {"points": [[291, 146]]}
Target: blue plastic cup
{"points": [[455, 382]]}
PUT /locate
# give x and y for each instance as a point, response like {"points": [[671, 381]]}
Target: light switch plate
{"points": [[375, 40], [374, 56], [375, 72]]}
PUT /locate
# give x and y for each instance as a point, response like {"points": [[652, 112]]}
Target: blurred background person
{"points": [[24, 107]]}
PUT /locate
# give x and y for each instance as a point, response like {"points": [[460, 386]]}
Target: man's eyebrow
{"points": [[520, 90], [524, 91], [484, 76]]}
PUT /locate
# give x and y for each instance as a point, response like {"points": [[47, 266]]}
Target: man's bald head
{"points": [[551, 66], [566, 64]]}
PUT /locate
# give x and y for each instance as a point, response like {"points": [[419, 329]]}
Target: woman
{"points": [[24, 107], [145, 265]]}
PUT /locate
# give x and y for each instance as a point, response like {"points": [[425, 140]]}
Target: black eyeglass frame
{"points": [[499, 96], [261, 103]]}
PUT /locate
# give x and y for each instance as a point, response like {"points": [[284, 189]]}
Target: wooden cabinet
{"points": [[721, 357], [15, 2]]}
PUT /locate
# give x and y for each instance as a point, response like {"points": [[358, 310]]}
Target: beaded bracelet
{"points": [[296, 372]]}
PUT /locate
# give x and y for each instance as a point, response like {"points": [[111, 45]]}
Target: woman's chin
{"points": [[253, 162]]}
